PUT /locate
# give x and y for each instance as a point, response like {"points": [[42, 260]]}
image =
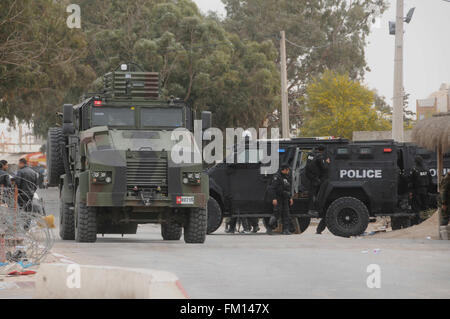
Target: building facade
{"points": [[437, 102], [18, 139]]}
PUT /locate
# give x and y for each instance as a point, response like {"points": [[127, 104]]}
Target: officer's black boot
{"points": [[271, 225], [230, 228], [321, 227], [286, 227]]}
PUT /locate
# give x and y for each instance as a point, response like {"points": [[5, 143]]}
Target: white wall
{"points": [[18, 139]]}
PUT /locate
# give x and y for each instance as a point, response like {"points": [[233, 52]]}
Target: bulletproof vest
{"points": [[286, 187], [421, 178], [281, 186], [311, 168]]}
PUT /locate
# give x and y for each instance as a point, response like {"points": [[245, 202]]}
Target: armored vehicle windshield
{"points": [[138, 117]]}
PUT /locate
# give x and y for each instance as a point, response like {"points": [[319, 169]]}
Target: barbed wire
{"points": [[25, 236]]}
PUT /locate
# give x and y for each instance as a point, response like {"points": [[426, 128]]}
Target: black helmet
{"points": [[284, 166], [321, 148]]}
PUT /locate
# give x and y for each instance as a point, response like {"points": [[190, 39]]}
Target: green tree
{"points": [[327, 34], [198, 60], [386, 110], [39, 64], [335, 105]]}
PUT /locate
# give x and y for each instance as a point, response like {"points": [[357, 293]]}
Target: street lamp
{"points": [[410, 15], [407, 19]]}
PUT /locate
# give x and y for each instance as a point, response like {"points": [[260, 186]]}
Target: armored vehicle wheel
{"points": [[66, 221], [303, 222], [55, 164], [347, 216], [171, 231], [195, 226], [85, 222], [215, 216]]}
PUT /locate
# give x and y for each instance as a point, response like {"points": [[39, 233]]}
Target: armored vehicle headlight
{"points": [[191, 178], [101, 177]]}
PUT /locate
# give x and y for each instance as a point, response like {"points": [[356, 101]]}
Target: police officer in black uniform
{"points": [[421, 180], [26, 180], [4, 176], [316, 171], [280, 194]]}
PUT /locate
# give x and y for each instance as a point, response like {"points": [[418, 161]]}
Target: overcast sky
{"points": [[427, 48]]}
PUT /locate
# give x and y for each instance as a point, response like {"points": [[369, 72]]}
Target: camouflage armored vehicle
{"points": [[111, 160], [365, 180]]}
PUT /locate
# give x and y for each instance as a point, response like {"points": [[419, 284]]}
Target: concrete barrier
{"points": [[72, 281]]}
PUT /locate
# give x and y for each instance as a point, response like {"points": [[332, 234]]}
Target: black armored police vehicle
{"points": [[365, 180]]}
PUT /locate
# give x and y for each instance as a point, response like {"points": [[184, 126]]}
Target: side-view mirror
{"points": [[206, 120], [68, 127]]}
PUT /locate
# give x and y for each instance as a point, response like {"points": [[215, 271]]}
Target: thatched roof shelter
{"points": [[433, 132]]}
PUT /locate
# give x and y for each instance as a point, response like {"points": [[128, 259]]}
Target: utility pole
{"points": [[284, 93], [397, 117]]}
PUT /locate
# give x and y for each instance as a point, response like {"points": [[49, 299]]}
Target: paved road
{"points": [[262, 266]]}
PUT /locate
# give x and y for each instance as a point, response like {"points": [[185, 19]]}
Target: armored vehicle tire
{"points": [[347, 216], [303, 222], [55, 164], [195, 226], [215, 216], [85, 222], [171, 231], [66, 221]]}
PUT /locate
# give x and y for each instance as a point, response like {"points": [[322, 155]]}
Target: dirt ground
{"points": [[428, 229]]}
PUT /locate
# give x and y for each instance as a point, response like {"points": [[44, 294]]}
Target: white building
{"points": [[18, 139]]}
